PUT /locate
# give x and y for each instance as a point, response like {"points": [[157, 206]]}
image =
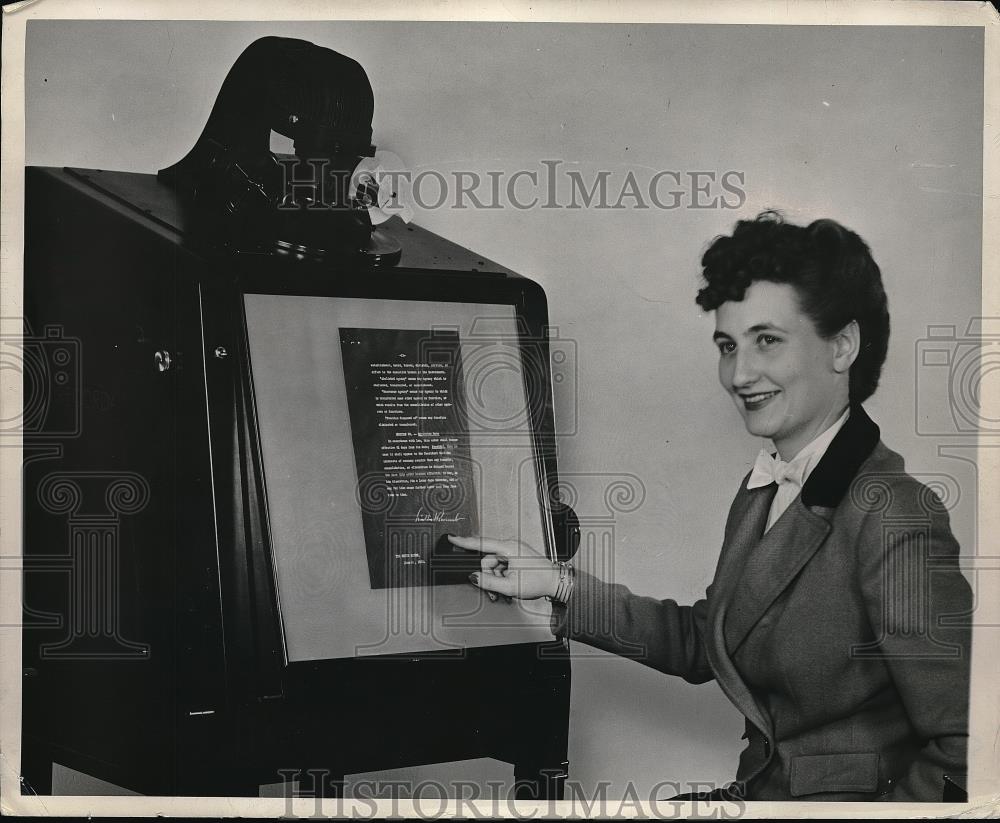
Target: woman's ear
{"points": [[846, 346]]}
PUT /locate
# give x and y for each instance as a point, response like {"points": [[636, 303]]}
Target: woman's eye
{"points": [[727, 347], [767, 340]]}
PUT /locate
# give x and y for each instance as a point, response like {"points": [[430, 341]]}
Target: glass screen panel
{"points": [[385, 425]]}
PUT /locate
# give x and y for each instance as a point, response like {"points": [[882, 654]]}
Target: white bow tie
{"points": [[768, 469]]}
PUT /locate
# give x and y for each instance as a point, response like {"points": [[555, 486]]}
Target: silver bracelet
{"points": [[567, 577]]}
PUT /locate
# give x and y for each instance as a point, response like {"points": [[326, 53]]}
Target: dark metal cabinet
{"points": [[152, 648]]}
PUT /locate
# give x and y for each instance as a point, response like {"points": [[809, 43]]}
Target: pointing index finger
{"points": [[483, 545]]}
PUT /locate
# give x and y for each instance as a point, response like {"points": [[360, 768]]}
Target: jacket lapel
{"points": [[770, 566], [838, 467], [729, 679], [747, 519]]}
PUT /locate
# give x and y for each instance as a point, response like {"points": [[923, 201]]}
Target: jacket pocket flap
{"points": [[848, 772]]}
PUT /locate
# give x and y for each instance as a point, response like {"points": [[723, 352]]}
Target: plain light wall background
{"points": [[879, 128]]}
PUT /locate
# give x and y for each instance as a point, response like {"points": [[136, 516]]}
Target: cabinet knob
{"points": [[163, 360]]}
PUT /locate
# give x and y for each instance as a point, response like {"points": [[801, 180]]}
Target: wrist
{"points": [[563, 581]]}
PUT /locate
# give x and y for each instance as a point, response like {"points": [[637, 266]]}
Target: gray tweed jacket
{"points": [[841, 634]]}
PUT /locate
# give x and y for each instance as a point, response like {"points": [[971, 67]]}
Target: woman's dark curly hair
{"points": [[833, 273]]}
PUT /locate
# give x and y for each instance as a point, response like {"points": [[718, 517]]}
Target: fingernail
{"points": [[474, 578]]}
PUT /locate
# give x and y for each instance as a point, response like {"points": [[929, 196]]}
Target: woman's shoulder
{"points": [[884, 460], [883, 485]]}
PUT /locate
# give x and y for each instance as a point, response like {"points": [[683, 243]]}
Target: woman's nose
{"points": [[745, 371]]}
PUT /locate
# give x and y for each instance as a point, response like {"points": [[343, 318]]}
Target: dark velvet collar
{"points": [[828, 482]]}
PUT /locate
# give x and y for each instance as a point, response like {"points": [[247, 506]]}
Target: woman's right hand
{"points": [[511, 568]]}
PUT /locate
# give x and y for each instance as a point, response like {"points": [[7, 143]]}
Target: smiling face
{"points": [[788, 383]]}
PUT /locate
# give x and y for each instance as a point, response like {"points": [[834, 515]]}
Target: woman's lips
{"points": [[752, 402]]}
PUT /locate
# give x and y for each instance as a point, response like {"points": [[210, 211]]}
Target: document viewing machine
{"points": [[254, 410]]}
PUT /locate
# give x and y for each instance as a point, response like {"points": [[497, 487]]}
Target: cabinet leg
{"points": [[36, 769], [320, 783], [540, 782]]}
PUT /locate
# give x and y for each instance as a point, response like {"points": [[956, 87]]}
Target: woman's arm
{"points": [[657, 633]]}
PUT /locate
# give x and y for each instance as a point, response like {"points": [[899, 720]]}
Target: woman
{"points": [[821, 624]]}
